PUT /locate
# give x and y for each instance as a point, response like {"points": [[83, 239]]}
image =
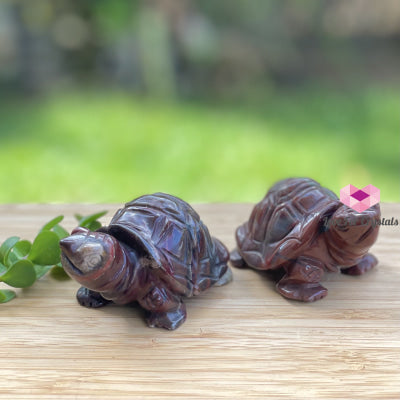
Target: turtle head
{"points": [[352, 230], [84, 253]]}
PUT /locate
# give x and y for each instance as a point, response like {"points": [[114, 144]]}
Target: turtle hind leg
{"points": [[90, 298], [302, 281], [226, 277], [367, 263], [237, 260]]}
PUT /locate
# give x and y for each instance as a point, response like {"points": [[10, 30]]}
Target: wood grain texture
{"points": [[241, 341]]}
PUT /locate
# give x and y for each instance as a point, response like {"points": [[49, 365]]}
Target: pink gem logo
{"points": [[360, 199]]}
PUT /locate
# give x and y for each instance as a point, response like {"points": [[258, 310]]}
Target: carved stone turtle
{"points": [[304, 229], [155, 251]]}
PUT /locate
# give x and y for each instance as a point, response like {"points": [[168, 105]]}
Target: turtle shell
{"points": [[285, 222], [169, 232]]}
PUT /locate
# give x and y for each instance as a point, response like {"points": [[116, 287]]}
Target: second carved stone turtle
{"points": [[156, 251], [304, 229]]}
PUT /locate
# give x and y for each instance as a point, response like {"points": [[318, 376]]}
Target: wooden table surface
{"points": [[240, 341]]}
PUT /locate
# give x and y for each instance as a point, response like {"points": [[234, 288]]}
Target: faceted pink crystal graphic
{"points": [[360, 199]]}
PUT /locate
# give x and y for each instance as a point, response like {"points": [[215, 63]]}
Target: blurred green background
{"points": [[102, 101]]}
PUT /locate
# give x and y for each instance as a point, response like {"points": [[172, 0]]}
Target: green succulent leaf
{"points": [[7, 245], [22, 248], [41, 270], [89, 219], [45, 249], [52, 223], [93, 226], [20, 275], [11, 259], [59, 273], [23, 262], [18, 252], [6, 295], [3, 269], [60, 232]]}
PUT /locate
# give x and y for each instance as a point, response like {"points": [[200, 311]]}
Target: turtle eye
{"points": [[342, 224], [93, 261], [90, 263]]}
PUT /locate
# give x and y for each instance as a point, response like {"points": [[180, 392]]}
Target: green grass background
{"points": [[111, 147]]}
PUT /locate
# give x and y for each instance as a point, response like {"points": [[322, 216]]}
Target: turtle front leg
{"points": [[165, 310], [302, 280], [90, 298], [236, 259], [367, 262]]}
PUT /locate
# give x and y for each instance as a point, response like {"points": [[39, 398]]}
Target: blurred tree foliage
{"points": [[271, 88], [195, 48]]}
